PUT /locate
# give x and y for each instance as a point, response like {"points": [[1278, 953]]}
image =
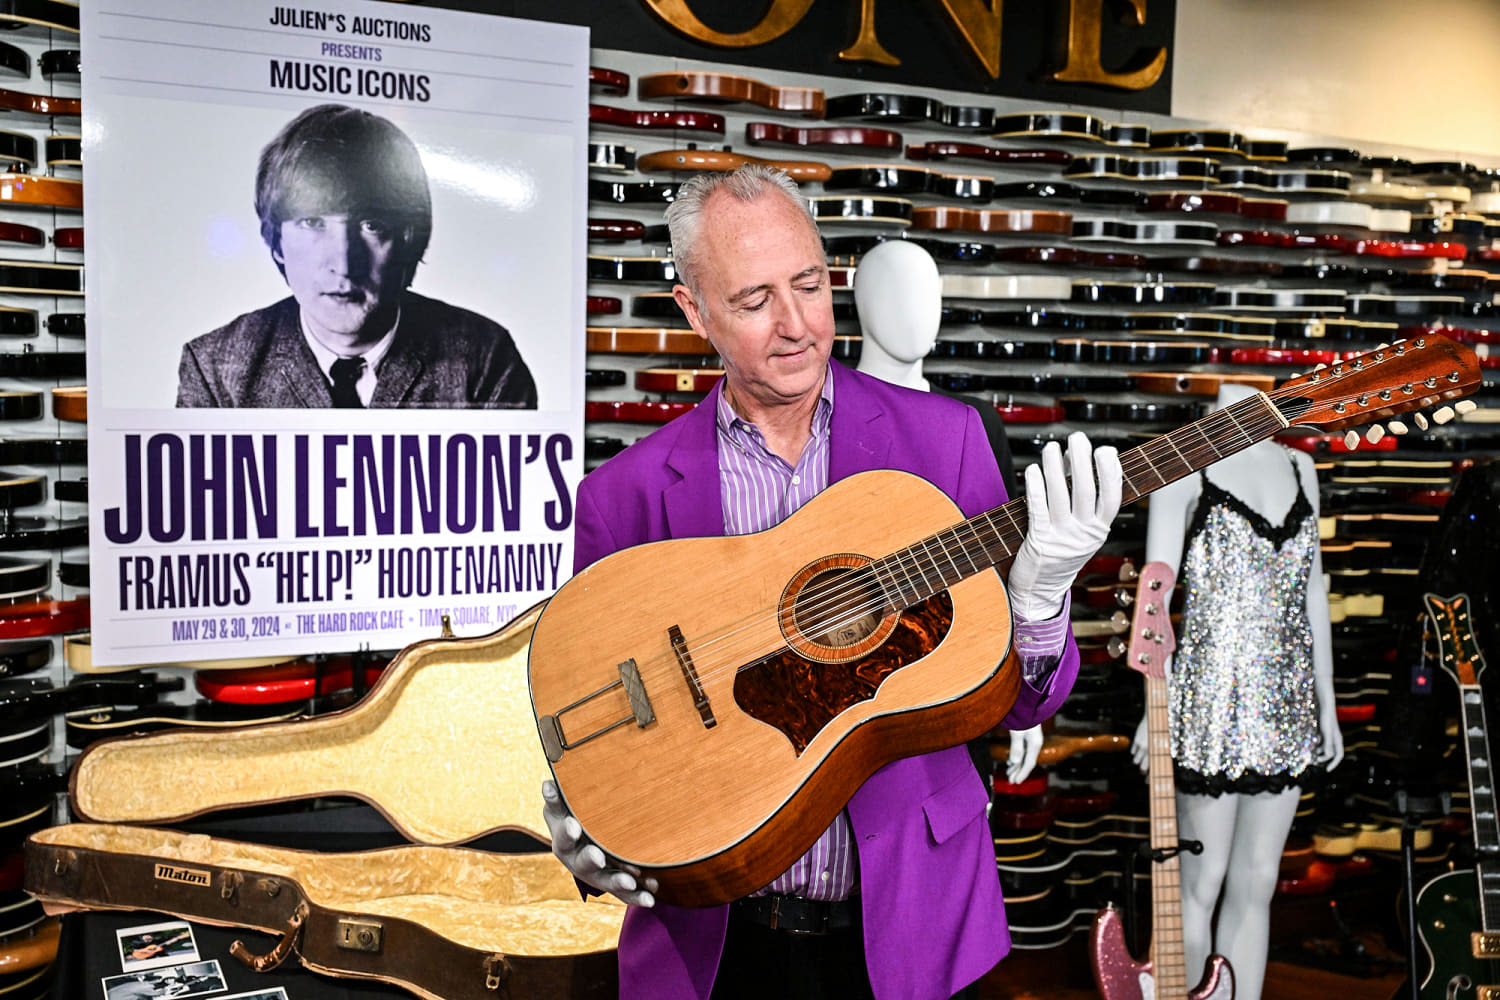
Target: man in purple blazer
{"points": [[900, 897]]}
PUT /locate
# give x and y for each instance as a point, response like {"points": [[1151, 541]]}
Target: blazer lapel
{"points": [[401, 366], [290, 362], [694, 504], [860, 441]]}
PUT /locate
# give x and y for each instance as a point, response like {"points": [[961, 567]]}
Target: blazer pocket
{"points": [[954, 806]]}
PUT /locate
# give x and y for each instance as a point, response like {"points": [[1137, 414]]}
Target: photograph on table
{"points": [[151, 946], [177, 981]]}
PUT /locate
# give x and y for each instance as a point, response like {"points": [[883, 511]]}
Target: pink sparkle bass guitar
{"points": [[1163, 976]]}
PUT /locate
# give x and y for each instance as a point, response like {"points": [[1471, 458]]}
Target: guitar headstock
{"points": [[1404, 376], [1458, 653], [1151, 636]]}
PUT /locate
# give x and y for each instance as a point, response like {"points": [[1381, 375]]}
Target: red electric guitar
{"points": [[759, 690], [1164, 974]]}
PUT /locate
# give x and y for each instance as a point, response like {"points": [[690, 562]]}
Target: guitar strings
{"points": [[839, 606], [1134, 462]]}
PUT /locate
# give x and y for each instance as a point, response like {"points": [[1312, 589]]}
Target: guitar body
{"points": [[1120, 977], [718, 795], [1447, 916]]}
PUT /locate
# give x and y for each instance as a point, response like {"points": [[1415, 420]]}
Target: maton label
{"points": [[188, 876]]}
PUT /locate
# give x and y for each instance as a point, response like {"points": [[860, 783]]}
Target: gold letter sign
{"points": [[781, 18], [981, 29], [1080, 49]]}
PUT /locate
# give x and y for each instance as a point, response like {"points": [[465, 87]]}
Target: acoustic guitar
{"points": [[1164, 974], [1458, 913], [750, 700]]}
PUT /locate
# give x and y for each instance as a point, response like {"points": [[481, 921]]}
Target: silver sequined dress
{"points": [[1244, 715]]}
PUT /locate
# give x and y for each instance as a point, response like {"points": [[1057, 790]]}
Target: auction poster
{"points": [[335, 266]]}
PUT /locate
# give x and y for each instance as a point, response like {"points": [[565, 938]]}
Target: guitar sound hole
{"points": [[839, 608]]}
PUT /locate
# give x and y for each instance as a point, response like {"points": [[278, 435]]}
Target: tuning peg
{"points": [[1396, 427], [1420, 421], [1382, 347], [1374, 434], [1351, 440], [1464, 406], [1443, 414], [1319, 366]]}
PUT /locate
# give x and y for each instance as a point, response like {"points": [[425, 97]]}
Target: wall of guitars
{"points": [[44, 599], [1099, 273]]}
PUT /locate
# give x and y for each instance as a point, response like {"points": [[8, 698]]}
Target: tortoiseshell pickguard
{"points": [[799, 696]]}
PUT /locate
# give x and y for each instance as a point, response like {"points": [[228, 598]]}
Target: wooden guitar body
{"points": [[758, 765], [1120, 977], [1447, 917]]}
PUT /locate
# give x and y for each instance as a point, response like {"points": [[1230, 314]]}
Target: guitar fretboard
{"points": [[1482, 803], [932, 565], [1168, 957]]}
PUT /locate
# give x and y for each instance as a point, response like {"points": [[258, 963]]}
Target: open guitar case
{"points": [[443, 747]]}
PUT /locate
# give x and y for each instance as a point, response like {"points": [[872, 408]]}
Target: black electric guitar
{"points": [[1458, 913], [1164, 974]]}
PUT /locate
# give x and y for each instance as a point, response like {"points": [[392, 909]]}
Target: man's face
{"points": [[344, 272], [766, 303]]}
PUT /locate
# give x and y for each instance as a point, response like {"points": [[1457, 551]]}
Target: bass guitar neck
{"points": [[1164, 975]]}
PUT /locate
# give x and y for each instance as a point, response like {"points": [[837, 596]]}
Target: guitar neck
{"points": [[1461, 658], [1482, 805], [932, 565], [1168, 958]]}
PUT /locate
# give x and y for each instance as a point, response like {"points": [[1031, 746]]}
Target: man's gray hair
{"points": [[746, 183]]}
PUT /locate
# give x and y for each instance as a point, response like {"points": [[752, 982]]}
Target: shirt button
{"points": [[825, 876], [796, 480]]}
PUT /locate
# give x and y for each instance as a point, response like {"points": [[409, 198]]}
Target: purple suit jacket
{"points": [[934, 917]]}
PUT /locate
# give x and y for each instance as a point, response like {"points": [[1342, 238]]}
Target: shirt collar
{"points": [[326, 358], [727, 420]]}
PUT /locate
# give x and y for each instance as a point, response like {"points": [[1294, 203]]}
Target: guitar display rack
{"points": [[43, 507]]}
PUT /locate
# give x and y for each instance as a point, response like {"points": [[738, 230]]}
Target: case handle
{"points": [[284, 947]]}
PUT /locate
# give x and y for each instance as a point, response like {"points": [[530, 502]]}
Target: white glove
{"points": [[1025, 746], [585, 860], [1063, 532]]}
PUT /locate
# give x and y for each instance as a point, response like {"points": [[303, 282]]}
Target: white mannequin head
{"points": [[1230, 393], [899, 295]]}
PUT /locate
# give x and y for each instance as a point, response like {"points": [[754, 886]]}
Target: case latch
{"points": [[359, 935]]}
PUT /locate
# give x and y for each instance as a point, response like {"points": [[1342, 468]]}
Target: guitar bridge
{"points": [[690, 674]]}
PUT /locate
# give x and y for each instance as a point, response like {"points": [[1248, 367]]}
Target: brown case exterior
{"points": [[278, 891]]}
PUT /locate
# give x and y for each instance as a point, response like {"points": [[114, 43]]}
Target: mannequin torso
{"points": [[1243, 832]]}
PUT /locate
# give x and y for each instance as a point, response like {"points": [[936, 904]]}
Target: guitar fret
{"points": [[908, 592], [918, 554], [882, 578]]}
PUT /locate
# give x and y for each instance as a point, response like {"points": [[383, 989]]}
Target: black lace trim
{"points": [[1277, 535], [1191, 782]]}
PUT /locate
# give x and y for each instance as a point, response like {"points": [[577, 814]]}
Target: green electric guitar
{"points": [[1458, 913]]}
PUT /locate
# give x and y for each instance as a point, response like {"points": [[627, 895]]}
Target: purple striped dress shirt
{"points": [[760, 490]]}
